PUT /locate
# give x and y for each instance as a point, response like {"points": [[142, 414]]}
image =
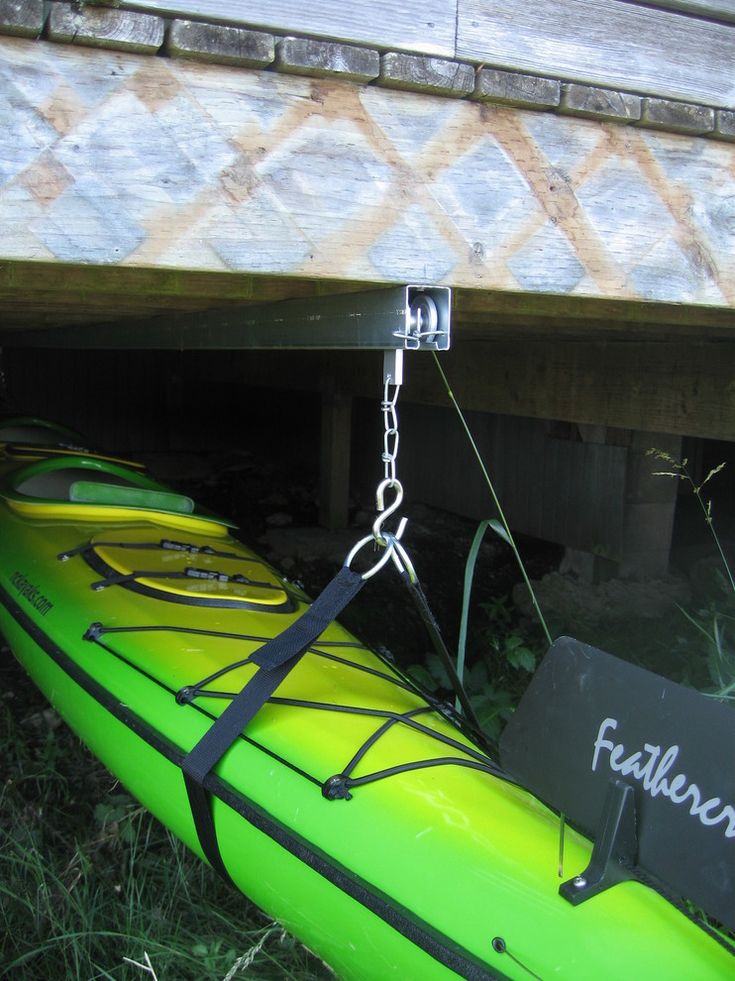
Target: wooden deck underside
{"points": [[178, 169]]}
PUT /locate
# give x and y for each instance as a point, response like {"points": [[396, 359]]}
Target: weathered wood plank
{"points": [[167, 164], [567, 492], [402, 25], [604, 42], [106, 28], [716, 9]]}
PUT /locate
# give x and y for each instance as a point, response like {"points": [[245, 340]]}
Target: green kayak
{"points": [[351, 807]]}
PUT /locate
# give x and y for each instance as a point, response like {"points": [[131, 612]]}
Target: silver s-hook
{"points": [[386, 512], [389, 541]]}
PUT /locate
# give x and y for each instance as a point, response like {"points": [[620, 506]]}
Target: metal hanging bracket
{"points": [[396, 319]]}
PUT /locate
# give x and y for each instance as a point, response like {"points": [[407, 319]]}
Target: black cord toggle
{"points": [[501, 947], [93, 632], [336, 788]]}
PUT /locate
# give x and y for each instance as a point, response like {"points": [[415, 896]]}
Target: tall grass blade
{"points": [[501, 527]]}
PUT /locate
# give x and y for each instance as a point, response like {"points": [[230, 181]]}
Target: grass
{"points": [[92, 886]]}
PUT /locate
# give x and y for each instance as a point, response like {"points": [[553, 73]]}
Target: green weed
{"points": [[504, 654]]}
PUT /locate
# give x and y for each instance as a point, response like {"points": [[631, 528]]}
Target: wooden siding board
{"points": [[427, 27], [175, 165], [603, 42], [563, 491], [713, 9], [681, 49]]}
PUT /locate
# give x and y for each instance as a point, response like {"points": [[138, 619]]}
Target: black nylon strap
{"points": [[276, 659]]}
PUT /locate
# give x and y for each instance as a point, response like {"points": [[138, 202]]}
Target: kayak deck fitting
{"points": [[355, 809]]}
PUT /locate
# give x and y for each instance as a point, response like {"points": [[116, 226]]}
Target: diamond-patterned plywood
{"points": [[118, 159]]}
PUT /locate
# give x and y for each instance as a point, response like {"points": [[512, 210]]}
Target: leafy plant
{"points": [[504, 656]]}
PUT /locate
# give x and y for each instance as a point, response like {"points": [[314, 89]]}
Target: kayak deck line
{"points": [[422, 934], [189, 693]]}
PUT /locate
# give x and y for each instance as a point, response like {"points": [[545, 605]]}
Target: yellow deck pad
{"points": [[192, 569]]}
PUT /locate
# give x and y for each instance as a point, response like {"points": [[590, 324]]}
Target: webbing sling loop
{"points": [[429, 620], [275, 659]]}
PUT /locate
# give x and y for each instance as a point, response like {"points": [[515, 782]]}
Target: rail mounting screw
{"points": [[580, 882]]}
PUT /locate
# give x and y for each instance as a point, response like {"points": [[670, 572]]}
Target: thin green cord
{"points": [[506, 527]]}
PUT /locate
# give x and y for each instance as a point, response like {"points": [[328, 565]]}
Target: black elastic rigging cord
{"points": [[93, 636], [477, 760], [120, 579], [405, 718], [166, 544], [378, 734], [189, 692], [397, 677]]}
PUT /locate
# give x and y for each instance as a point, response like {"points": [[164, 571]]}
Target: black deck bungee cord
{"points": [[165, 544], [189, 693], [123, 578]]}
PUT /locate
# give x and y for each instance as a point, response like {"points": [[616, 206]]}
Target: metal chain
{"points": [[386, 540], [390, 424]]}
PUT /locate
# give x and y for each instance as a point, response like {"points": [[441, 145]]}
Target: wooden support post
{"points": [[650, 503], [334, 475], [648, 507]]}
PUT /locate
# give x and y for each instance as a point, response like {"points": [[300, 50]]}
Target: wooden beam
{"points": [[403, 25], [50, 293], [604, 42], [170, 165], [677, 387]]}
